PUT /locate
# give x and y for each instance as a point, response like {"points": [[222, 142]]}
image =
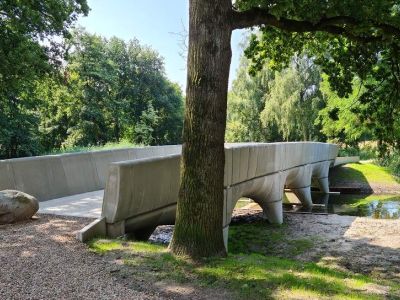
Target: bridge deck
{"points": [[86, 205]]}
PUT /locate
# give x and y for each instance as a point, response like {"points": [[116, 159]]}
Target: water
{"points": [[373, 206]]}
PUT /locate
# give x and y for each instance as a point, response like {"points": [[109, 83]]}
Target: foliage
{"points": [[355, 43], [275, 106], [123, 93], [108, 91], [380, 111], [107, 146], [294, 101], [28, 51], [392, 162], [245, 103], [339, 120], [364, 152]]}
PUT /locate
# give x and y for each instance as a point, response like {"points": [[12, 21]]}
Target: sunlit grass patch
{"points": [[258, 276], [103, 246], [250, 275], [367, 173]]}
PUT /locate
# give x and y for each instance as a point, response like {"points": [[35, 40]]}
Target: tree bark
{"points": [[198, 226]]}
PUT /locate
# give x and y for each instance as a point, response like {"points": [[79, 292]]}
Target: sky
{"points": [[156, 23]]}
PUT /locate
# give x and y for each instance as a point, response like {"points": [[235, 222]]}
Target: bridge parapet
{"points": [[142, 194]]}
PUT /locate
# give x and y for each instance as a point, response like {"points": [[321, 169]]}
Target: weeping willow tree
{"points": [[294, 100]]}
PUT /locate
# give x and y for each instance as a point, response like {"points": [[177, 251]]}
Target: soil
{"points": [[41, 259], [358, 244]]}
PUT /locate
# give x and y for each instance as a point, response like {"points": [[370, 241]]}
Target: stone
{"points": [[16, 206]]}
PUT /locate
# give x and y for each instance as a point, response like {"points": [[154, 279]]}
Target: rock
{"points": [[16, 206]]}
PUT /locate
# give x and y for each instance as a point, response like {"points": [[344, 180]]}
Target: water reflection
{"points": [[374, 206]]}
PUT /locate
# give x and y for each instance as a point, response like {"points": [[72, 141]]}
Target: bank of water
{"points": [[373, 206]]}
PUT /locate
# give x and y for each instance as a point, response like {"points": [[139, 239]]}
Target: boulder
{"points": [[16, 206]]}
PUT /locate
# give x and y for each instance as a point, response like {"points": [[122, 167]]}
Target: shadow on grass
{"points": [[367, 177], [242, 274], [347, 176]]}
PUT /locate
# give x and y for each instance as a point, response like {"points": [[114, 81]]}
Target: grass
{"points": [[251, 269], [263, 238], [366, 173]]}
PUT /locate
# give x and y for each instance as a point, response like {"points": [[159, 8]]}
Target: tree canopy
{"points": [[346, 38], [61, 88], [29, 49]]}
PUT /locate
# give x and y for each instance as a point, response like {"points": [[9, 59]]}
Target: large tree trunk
{"points": [[198, 227]]}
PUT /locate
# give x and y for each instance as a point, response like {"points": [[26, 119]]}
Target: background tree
{"points": [[294, 100], [271, 106], [125, 93], [106, 91], [246, 101], [28, 51], [339, 120], [380, 110], [346, 38]]}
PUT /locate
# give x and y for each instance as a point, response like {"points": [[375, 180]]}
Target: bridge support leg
{"points": [[225, 232], [273, 211], [115, 230], [304, 195], [323, 184]]}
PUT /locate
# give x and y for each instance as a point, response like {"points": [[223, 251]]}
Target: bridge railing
{"points": [[54, 176], [142, 194]]}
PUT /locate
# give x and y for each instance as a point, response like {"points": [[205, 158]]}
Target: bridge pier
{"points": [[304, 195], [323, 184]]}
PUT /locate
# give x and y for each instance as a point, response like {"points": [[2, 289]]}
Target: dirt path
{"points": [[41, 259]]}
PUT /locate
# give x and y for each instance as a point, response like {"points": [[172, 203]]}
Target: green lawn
{"points": [[247, 271], [364, 173]]}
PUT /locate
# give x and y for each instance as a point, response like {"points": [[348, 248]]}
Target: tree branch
{"points": [[334, 25]]}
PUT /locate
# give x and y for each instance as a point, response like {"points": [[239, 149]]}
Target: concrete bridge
{"points": [[142, 194], [141, 184]]}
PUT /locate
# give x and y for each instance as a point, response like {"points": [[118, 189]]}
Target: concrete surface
{"points": [[54, 176], [82, 205], [142, 184], [142, 194], [342, 160]]}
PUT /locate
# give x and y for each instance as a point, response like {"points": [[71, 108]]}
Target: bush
{"points": [[392, 161], [364, 153]]}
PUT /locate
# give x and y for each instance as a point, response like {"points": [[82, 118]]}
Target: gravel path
{"points": [[41, 259]]}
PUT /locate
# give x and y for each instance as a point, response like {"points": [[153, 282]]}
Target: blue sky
{"points": [[152, 22]]}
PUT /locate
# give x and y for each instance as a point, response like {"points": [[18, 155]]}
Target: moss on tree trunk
{"points": [[198, 228]]}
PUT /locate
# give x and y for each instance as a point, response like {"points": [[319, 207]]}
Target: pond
{"points": [[374, 206]]}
